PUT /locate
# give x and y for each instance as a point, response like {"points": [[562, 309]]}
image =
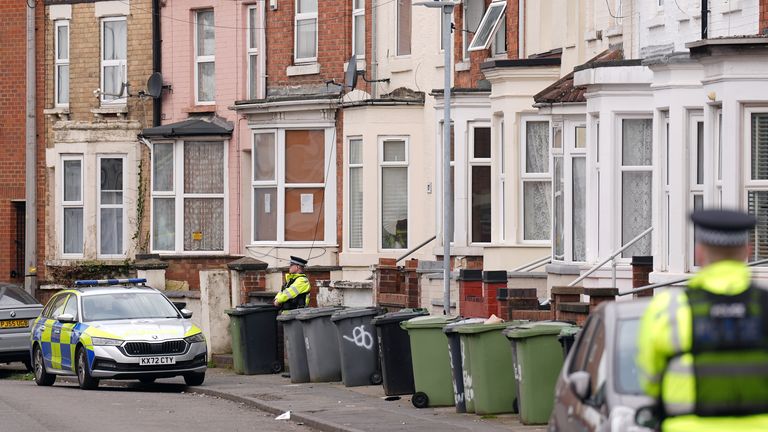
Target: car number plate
{"points": [[13, 323], [154, 361]]}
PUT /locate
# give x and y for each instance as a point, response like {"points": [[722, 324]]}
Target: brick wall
{"points": [[763, 16], [397, 287], [188, 268], [12, 126]]}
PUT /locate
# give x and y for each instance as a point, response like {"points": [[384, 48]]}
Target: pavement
{"points": [[332, 407]]}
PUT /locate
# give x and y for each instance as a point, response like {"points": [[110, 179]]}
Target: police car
{"points": [[116, 329]]}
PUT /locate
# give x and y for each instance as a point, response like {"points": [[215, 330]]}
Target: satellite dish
{"points": [[155, 85], [350, 75]]}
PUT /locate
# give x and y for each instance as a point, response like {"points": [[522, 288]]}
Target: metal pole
{"points": [[447, 201], [30, 208]]}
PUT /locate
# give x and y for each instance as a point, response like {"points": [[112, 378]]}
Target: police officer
{"points": [[295, 291], [703, 350]]}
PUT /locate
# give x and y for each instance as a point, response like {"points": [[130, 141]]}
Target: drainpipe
{"points": [[704, 18], [30, 183], [374, 63], [156, 59]]}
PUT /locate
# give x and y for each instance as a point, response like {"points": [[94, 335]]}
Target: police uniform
{"points": [[295, 291], [703, 350]]}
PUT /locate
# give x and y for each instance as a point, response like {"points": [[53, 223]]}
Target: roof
{"points": [[563, 90], [191, 127]]}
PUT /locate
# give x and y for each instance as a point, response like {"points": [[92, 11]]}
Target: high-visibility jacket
{"points": [[682, 351], [295, 292]]}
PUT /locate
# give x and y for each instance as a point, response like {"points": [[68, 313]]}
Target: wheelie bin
{"points": [[253, 330], [431, 365], [490, 380], [322, 344], [357, 346], [537, 358], [566, 338], [294, 346], [455, 356], [395, 351]]}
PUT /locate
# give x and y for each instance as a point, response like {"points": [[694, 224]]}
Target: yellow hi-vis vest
{"points": [[295, 292]]}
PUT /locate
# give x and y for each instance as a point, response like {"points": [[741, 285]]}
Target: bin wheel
{"points": [[376, 378], [277, 367], [420, 400]]}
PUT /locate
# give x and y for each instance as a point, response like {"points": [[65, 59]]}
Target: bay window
{"points": [[111, 217], [480, 185], [635, 180], [355, 193], [394, 193], [535, 181], [756, 184]]}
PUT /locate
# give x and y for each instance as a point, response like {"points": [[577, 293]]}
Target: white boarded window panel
{"points": [[488, 26]]}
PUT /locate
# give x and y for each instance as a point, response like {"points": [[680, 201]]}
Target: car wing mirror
{"points": [[580, 384], [65, 318], [186, 313], [648, 417]]}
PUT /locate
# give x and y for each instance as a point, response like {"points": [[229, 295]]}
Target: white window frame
{"points": [[621, 169], [60, 62], [473, 162], [397, 31], [179, 196], [123, 64], [329, 199], [265, 184], [718, 159], [252, 52], [666, 191], [72, 204], [358, 12], [199, 59], [101, 206], [478, 45], [348, 193], [573, 153], [502, 207], [303, 17], [558, 152], [694, 189], [465, 26], [496, 50], [399, 164], [532, 177], [750, 185]]}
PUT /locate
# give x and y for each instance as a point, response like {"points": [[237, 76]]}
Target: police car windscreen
{"points": [[127, 306]]}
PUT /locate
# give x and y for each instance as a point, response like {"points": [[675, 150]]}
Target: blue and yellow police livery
{"points": [[118, 332]]}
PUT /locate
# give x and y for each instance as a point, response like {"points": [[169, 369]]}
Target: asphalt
{"points": [[332, 407]]}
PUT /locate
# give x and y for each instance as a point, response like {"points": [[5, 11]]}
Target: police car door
{"points": [[51, 332], [67, 336]]}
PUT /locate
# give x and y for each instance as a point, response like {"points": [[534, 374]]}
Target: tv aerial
{"points": [[351, 74]]}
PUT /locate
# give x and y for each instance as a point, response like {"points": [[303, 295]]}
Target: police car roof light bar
{"points": [[91, 282]]}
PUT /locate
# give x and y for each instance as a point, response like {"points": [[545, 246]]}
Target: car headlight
{"points": [[106, 341], [195, 338]]}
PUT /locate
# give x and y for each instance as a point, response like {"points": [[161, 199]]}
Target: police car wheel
{"points": [[84, 378], [42, 377], [194, 378]]}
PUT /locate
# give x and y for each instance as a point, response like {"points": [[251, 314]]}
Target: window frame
{"points": [[465, 26], [329, 194], [305, 16], [348, 193], [473, 162], [72, 204], [397, 29], [253, 51], [749, 185], [123, 64], [532, 177], [666, 190], [694, 189], [475, 43], [200, 59], [179, 196], [619, 181], [392, 164], [358, 12], [60, 62], [100, 206], [502, 183]]}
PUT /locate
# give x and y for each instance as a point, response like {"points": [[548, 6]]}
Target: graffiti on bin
{"points": [[361, 337], [469, 393], [458, 397], [306, 343]]}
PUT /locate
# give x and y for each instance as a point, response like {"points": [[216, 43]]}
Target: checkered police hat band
{"points": [[721, 238]]}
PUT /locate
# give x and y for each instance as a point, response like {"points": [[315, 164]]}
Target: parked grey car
{"points": [[598, 388], [18, 310]]}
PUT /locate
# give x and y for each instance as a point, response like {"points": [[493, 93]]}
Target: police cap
{"points": [[719, 227], [298, 261]]}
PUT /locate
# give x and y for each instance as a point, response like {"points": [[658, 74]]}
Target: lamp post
{"points": [[447, 9]]}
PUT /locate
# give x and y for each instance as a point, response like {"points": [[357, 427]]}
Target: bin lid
{"points": [[289, 315], [429, 321], [355, 313], [453, 327], [396, 317], [536, 328], [482, 328], [248, 308], [312, 313], [569, 331]]}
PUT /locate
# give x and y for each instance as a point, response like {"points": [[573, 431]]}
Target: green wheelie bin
{"points": [[490, 379], [431, 364], [537, 357]]}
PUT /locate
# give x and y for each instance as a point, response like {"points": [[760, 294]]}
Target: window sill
{"points": [[593, 35], [400, 64], [463, 66], [61, 112], [117, 110], [655, 22], [614, 31], [305, 69], [200, 109]]}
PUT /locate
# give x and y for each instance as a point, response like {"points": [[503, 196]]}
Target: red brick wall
{"points": [[334, 42], [763, 16], [397, 287], [188, 268], [12, 125]]}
